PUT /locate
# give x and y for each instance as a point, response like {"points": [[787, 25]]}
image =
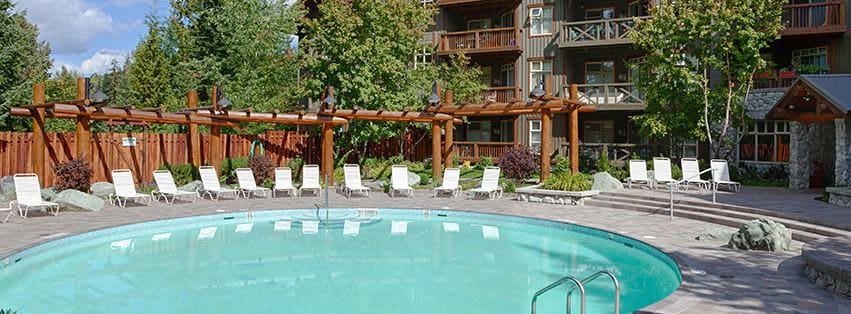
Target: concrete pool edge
{"points": [[52, 241]]}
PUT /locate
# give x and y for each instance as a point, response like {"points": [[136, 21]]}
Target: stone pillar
{"points": [[799, 156], [840, 168]]}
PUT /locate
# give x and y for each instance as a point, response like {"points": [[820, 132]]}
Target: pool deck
{"points": [[715, 279]]}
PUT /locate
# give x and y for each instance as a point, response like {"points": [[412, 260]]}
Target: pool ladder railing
{"points": [[580, 285]]}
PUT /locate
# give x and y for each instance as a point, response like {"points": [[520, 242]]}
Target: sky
{"points": [[86, 35]]}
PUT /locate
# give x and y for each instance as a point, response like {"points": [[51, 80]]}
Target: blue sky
{"points": [[86, 35]]}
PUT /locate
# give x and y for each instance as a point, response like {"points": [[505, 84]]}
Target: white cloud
{"points": [[70, 26], [128, 3], [100, 62]]}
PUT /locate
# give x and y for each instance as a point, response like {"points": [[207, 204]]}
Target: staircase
{"points": [[722, 214]]}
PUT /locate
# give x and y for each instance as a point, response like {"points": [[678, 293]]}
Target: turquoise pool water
{"points": [[380, 261]]}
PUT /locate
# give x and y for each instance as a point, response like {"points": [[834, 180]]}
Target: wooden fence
{"points": [[152, 150]]}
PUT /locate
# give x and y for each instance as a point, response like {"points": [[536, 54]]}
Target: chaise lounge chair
{"points": [[28, 191], [490, 184], [166, 187], [247, 185], [638, 173], [284, 181], [212, 187], [352, 184], [691, 171], [399, 181], [451, 176], [662, 172], [310, 180], [125, 189], [721, 175]]}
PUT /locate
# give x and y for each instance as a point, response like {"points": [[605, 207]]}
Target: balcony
{"points": [[496, 40], [500, 94], [814, 18], [611, 96], [446, 3], [598, 32], [474, 151], [769, 82]]}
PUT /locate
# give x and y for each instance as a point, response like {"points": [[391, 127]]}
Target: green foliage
{"points": [[150, 71], [462, 78], [74, 174], [24, 60], [603, 164], [508, 186], [561, 165], [751, 175], [700, 62], [182, 173], [229, 166], [568, 182], [620, 173], [296, 165], [484, 162]]}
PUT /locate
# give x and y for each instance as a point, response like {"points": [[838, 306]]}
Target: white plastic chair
{"points": [[691, 171], [662, 171], [638, 173], [721, 174], [310, 180], [245, 178], [10, 210], [28, 190], [125, 189], [352, 184], [284, 181], [451, 176], [212, 187], [166, 187], [490, 184], [399, 181]]}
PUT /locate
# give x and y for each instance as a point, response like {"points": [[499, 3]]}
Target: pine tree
{"points": [[149, 73]]}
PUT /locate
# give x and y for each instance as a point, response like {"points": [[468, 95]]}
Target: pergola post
{"points": [[546, 139], [215, 153], [83, 135], [574, 130], [327, 159], [448, 142], [436, 162], [39, 143], [194, 134]]}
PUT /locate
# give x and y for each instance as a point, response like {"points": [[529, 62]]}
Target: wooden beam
{"points": [[276, 118], [448, 142], [106, 114], [83, 134], [546, 139], [816, 117], [194, 133], [327, 159], [436, 151], [381, 115], [39, 133], [574, 130], [511, 108]]}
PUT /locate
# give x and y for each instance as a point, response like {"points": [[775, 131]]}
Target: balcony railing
{"points": [[618, 153], [482, 40], [610, 94], [814, 18], [474, 151], [598, 32], [773, 82], [500, 94]]}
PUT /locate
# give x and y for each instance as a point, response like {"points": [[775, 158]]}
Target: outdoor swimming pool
{"points": [[362, 261]]}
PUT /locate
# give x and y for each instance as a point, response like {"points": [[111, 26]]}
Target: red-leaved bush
{"points": [[518, 163], [74, 174], [262, 167]]}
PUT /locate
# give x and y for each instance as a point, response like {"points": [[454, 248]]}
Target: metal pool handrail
{"points": [[674, 185], [556, 284], [590, 279]]}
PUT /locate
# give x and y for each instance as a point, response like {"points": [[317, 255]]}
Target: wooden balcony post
{"points": [[436, 162], [215, 154], [574, 130], [39, 133], [448, 142], [546, 139], [194, 134], [83, 134], [327, 154]]}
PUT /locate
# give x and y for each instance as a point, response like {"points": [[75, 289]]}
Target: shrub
{"points": [[568, 182], [262, 167], [776, 175], [296, 164], [508, 186], [603, 164], [562, 165], [73, 174], [518, 163], [182, 173], [229, 166], [619, 173], [484, 162]]}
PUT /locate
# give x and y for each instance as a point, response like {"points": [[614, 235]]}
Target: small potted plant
{"points": [[787, 73]]}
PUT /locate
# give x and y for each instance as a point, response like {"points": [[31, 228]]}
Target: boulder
{"points": [[193, 186], [73, 200], [762, 234], [102, 189], [714, 234], [377, 185], [48, 194], [603, 181], [413, 179], [7, 188]]}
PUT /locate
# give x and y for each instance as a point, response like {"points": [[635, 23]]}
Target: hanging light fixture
{"points": [[434, 98], [224, 103], [99, 96], [538, 91]]}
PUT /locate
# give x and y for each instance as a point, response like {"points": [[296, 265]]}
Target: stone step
{"points": [[798, 235], [709, 209]]}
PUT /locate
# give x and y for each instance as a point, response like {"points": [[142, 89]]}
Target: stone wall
{"points": [[809, 143], [842, 170]]}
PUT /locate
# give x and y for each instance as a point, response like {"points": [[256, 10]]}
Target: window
{"points": [[638, 8], [815, 58], [600, 14], [537, 70], [506, 75], [507, 19], [599, 72], [541, 20], [600, 131], [423, 56], [478, 24], [765, 141], [689, 149], [479, 131], [535, 134]]}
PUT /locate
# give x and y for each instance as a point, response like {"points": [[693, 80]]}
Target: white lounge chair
{"points": [[352, 184], [638, 173], [691, 171], [451, 176], [399, 181], [125, 189], [490, 184], [28, 191], [721, 174], [310, 180], [166, 187], [284, 181], [11, 211], [662, 171], [212, 187], [245, 178]]}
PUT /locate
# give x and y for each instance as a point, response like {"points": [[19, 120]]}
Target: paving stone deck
{"points": [[716, 279]]}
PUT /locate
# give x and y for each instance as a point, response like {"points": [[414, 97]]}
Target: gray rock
{"points": [[193, 186], [377, 185], [714, 234], [413, 179], [102, 189], [73, 200], [7, 188], [48, 194], [603, 181], [762, 234]]}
